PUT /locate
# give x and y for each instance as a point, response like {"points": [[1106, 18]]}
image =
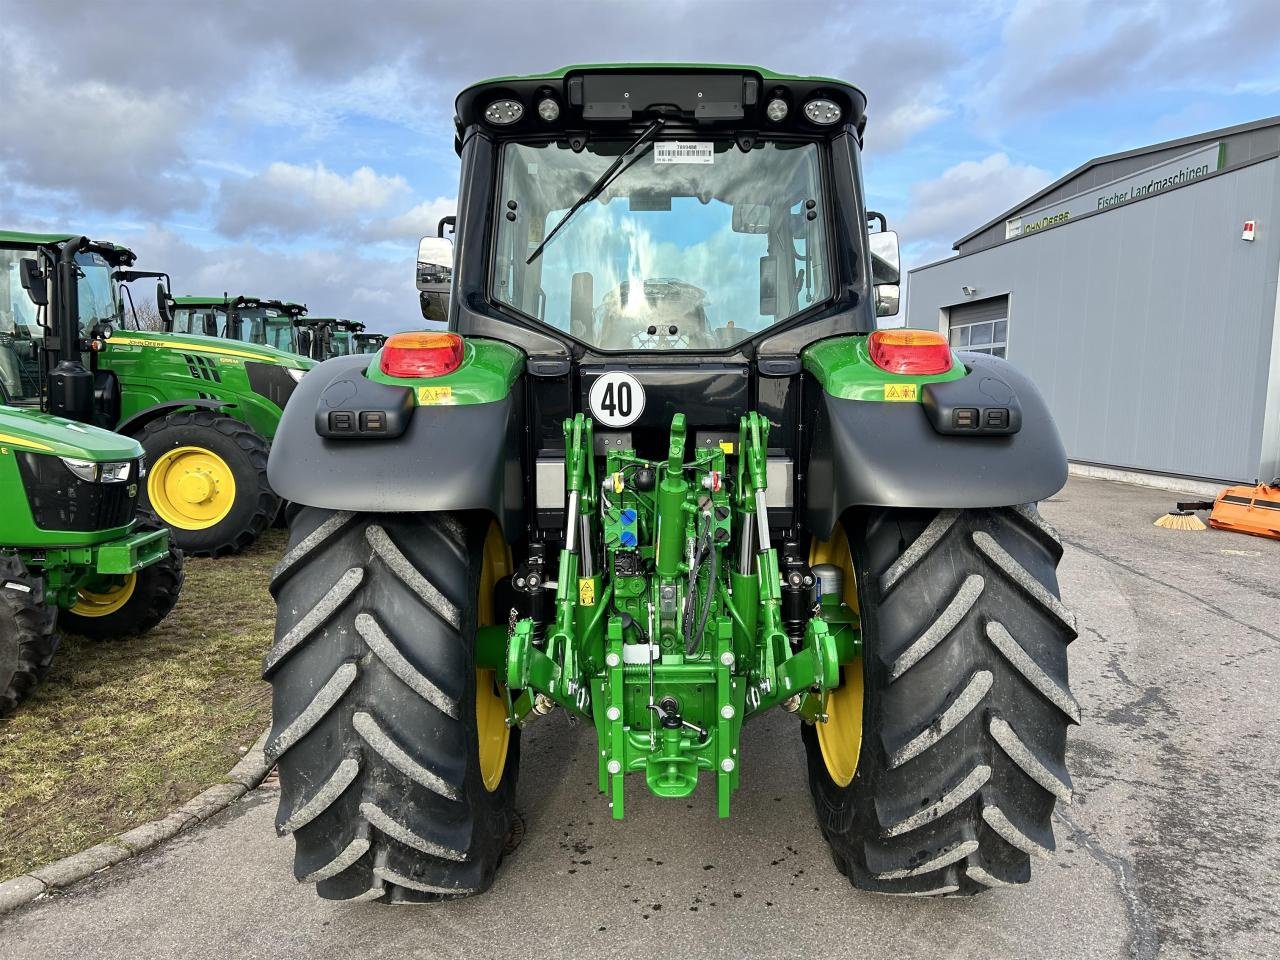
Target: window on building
{"points": [[985, 336]]}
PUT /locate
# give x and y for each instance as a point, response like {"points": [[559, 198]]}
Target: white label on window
{"points": [[683, 151], [616, 399]]}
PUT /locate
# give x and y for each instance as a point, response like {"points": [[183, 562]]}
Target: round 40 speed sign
{"points": [[616, 399]]}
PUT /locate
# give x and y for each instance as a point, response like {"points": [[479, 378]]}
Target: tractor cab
{"points": [[369, 343], [326, 337], [32, 345], [254, 320]]}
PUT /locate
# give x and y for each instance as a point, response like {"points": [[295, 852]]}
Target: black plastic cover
{"points": [[464, 457], [270, 380], [983, 404], [353, 407], [889, 455]]}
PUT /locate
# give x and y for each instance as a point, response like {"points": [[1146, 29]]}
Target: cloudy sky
{"points": [[298, 148]]}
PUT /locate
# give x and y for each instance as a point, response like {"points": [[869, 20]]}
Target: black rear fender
{"points": [[464, 457], [897, 455]]}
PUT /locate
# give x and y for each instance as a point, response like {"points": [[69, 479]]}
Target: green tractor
{"points": [[369, 343], [268, 323], [323, 338], [204, 410], [75, 555], [663, 473]]}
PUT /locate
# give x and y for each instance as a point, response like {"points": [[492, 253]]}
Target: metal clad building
{"points": [[1127, 290]]}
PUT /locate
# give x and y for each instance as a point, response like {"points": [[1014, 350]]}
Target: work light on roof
{"points": [[548, 109], [822, 110], [776, 110], [503, 112]]}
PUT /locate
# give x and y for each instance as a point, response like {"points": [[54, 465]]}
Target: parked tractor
{"points": [[369, 343], [268, 323], [204, 410], [75, 554], [323, 338], [664, 473]]}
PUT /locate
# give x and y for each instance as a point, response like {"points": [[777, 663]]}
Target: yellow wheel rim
{"points": [[840, 737], [100, 603], [493, 734], [191, 488]]}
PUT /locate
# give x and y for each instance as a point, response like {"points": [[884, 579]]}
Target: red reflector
{"points": [[421, 354], [912, 352]]}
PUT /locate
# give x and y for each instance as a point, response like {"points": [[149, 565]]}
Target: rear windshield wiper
{"points": [[616, 169]]}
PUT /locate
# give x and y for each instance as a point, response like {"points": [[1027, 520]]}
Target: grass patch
{"points": [[122, 732]]}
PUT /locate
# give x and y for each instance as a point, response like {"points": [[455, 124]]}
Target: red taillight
{"points": [[911, 352], [421, 354]]}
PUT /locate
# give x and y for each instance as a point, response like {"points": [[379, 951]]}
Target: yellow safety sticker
{"points": [[429, 395], [901, 391], [586, 592], [727, 446]]}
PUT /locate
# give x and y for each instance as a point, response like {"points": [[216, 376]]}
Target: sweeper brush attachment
{"points": [[1244, 509], [1181, 520]]}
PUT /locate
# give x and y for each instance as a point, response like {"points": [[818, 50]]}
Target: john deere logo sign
{"points": [[1171, 173]]}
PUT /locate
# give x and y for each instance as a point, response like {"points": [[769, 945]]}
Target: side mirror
{"points": [[887, 299], [885, 262], [886, 271], [164, 307], [435, 265], [33, 282]]}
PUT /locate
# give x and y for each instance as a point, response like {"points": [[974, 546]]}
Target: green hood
{"points": [[193, 343], [35, 432]]}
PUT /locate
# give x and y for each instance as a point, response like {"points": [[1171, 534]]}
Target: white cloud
{"points": [[89, 143], [966, 196], [288, 199], [421, 220], [332, 280]]}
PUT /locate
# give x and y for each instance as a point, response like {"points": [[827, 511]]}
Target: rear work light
{"points": [[421, 354], [910, 352]]}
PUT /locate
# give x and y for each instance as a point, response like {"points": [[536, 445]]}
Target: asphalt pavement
{"points": [[1171, 849]]}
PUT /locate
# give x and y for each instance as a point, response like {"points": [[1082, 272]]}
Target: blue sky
{"points": [[298, 149]]}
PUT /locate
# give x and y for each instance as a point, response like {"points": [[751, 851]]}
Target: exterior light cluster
{"points": [[776, 110], [823, 111], [503, 112]]}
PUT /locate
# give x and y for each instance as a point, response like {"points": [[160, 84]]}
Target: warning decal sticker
{"points": [[901, 391]]}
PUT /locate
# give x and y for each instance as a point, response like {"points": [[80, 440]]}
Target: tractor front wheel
{"points": [[128, 605], [28, 638], [397, 769], [207, 480], [944, 780]]}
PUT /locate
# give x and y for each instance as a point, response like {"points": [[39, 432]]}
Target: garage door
{"points": [[981, 326]]}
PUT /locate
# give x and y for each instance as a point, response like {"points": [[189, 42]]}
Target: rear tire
{"points": [[243, 453], [374, 708], [153, 597], [28, 638], [966, 703]]}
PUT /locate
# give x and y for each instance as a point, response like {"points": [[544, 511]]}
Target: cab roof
{"points": [[194, 301], [17, 238], [705, 93]]}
